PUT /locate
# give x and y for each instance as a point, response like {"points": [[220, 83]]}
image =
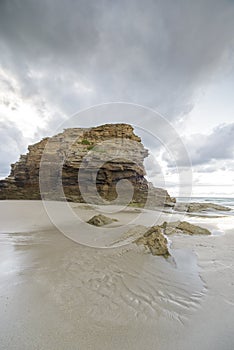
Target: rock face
{"points": [[100, 220], [84, 161], [183, 227], [155, 241], [199, 207]]}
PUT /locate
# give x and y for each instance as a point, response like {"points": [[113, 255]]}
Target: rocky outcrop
{"points": [[88, 162], [183, 227], [154, 240], [199, 207], [100, 220]]}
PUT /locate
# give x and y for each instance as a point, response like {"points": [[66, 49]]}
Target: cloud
{"points": [[208, 152], [11, 146], [60, 56], [73, 54], [217, 146]]}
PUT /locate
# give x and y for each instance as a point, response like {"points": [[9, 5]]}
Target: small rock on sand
{"points": [[184, 227], [100, 220], [155, 241]]}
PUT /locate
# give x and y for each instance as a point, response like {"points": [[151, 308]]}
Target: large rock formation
{"points": [[101, 156]]}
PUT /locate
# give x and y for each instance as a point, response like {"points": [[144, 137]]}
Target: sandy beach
{"points": [[58, 294]]}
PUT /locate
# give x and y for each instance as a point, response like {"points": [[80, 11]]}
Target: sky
{"points": [[172, 56]]}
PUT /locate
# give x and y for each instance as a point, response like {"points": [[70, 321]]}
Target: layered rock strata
{"points": [[88, 163]]}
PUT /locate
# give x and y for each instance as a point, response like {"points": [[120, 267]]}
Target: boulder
{"points": [[100, 220], [154, 240], [184, 227], [199, 207]]}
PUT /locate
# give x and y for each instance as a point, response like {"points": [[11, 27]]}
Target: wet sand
{"points": [[58, 294]]}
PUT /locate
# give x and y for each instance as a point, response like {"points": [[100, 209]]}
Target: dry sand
{"points": [[57, 294]]}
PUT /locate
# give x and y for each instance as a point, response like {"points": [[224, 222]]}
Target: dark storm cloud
{"points": [[153, 52]]}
